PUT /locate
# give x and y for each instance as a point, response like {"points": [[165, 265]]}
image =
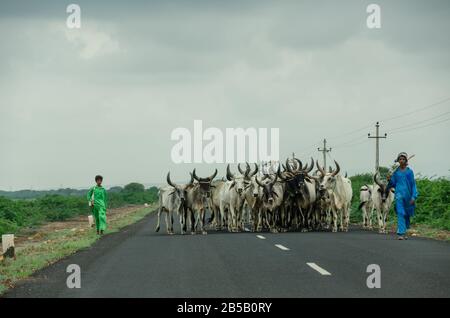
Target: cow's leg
{"points": [[380, 220], [365, 216], [171, 222], [202, 221], [346, 217], [159, 220], [166, 216], [334, 213], [182, 222], [192, 220], [385, 217]]}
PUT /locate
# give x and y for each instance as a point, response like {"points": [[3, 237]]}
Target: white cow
{"points": [[366, 205], [172, 200], [232, 198], [382, 199], [340, 194]]}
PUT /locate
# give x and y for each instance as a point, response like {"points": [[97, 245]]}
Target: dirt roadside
{"points": [[40, 234]]}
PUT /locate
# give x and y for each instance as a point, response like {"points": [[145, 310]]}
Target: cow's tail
{"points": [[361, 205]]}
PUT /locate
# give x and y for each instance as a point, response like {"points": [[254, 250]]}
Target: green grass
{"points": [[56, 246]]}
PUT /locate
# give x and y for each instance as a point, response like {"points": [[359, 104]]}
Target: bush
{"points": [[432, 206], [15, 214]]}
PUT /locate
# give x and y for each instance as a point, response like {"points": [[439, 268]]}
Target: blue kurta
{"points": [[405, 189]]}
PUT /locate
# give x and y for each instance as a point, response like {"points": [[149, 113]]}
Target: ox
{"points": [[339, 190]]}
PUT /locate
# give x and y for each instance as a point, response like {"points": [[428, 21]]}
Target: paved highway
{"points": [[138, 262]]}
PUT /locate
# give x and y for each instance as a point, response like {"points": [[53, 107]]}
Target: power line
{"points": [[416, 110], [419, 122], [423, 126]]}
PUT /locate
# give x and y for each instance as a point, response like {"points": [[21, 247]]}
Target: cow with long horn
{"points": [[172, 200], [198, 199], [272, 203], [339, 191], [232, 198], [253, 196], [382, 199]]}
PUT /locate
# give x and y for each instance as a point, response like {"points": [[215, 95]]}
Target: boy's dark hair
{"points": [[98, 177]]}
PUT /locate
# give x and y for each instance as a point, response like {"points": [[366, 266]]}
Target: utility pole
{"points": [[377, 145], [324, 150]]}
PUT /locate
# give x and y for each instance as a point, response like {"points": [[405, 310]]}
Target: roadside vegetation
{"points": [[16, 214], [433, 203]]}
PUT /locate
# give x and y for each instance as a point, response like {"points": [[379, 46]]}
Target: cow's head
{"points": [[179, 190], [252, 187], [296, 178], [268, 190], [328, 179], [241, 182], [382, 187], [205, 183]]}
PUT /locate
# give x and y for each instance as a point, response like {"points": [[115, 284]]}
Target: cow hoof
{"points": [[334, 230], [204, 232], [192, 233]]}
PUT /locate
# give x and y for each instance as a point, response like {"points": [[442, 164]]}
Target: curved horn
{"points": [[300, 165], [259, 183], [280, 176], [377, 180], [195, 176], [288, 166], [170, 181], [192, 179], [322, 172], [276, 176], [309, 169], [284, 167], [337, 169], [213, 175], [345, 174], [230, 176], [254, 172], [240, 170]]}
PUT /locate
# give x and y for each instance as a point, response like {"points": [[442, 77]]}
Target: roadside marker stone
{"points": [[91, 220], [8, 245]]}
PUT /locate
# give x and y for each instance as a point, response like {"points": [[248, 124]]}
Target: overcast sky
{"points": [[104, 99]]}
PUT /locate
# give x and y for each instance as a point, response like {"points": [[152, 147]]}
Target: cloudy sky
{"points": [[105, 98]]}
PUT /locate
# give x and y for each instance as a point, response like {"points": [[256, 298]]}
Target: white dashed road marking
{"points": [[281, 247], [318, 268], [260, 237]]}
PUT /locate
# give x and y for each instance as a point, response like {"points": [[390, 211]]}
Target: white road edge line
{"points": [[318, 268], [260, 237], [281, 247]]}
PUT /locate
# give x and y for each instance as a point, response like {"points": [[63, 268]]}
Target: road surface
{"points": [[138, 262]]}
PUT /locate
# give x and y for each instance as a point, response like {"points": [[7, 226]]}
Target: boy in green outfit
{"points": [[97, 198]]}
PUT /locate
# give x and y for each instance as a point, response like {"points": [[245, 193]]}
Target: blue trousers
{"points": [[404, 210]]}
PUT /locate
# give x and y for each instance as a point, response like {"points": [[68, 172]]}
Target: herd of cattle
{"points": [[294, 198]]}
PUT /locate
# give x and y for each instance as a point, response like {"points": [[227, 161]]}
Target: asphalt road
{"points": [[138, 262]]}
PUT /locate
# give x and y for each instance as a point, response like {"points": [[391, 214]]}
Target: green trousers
{"points": [[99, 213]]}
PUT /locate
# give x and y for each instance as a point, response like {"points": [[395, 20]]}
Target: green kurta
{"points": [[99, 208]]}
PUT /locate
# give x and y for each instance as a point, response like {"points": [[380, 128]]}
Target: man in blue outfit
{"points": [[402, 180]]}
